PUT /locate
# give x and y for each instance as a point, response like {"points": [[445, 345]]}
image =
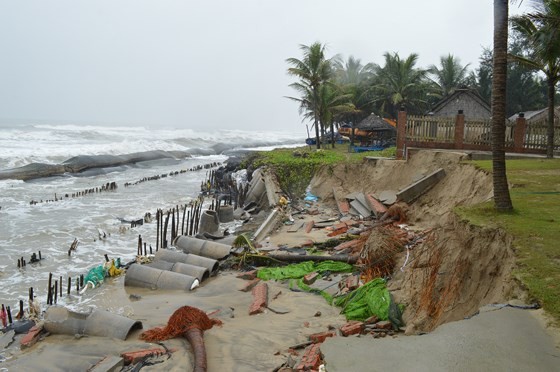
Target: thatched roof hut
{"points": [[375, 123]]}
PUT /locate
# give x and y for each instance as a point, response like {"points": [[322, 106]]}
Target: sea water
{"points": [[51, 227]]}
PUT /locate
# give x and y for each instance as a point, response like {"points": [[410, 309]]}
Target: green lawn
{"points": [[295, 167], [535, 224]]}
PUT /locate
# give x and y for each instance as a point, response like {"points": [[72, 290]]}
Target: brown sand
{"points": [[243, 343]]}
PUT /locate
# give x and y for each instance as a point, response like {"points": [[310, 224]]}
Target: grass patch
{"points": [[295, 167], [535, 224]]}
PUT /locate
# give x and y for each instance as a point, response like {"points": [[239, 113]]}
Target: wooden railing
{"points": [[460, 132]]}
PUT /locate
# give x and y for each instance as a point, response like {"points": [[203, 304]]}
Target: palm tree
{"points": [[313, 71], [450, 76], [502, 199], [355, 79], [400, 85], [332, 103], [541, 31]]}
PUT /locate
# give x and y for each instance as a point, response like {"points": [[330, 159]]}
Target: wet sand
{"points": [[244, 343]]}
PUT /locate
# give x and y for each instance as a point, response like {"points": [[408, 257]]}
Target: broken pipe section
{"points": [[59, 320]]}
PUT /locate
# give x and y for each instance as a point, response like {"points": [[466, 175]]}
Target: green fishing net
{"points": [[370, 299], [296, 271], [95, 275]]}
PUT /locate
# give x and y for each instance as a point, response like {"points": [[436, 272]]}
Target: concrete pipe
{"points": [[225, 213], [149, 277], [174, 256], [59, 320], [201, 273], [201, 247], [256, 189], [209, 222]]}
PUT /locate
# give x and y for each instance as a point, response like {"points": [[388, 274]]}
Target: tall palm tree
{"points": [[450, 76], [313, 71], [502, 199], [355, 79], [541, 31], [400, 84], [332, 103]]}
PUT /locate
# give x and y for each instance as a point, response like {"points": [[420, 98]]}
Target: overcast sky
{"points": [[209, 64]]}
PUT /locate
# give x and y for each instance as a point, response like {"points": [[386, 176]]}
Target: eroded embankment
{"points": [[458, 267]]}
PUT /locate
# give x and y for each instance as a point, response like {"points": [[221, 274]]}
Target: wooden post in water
{"points": [[60, 283], [164, 240], [69, 286], [183, 223], [49, 290], [157, 230], [9, 311], [173, 225], [55, 290]]}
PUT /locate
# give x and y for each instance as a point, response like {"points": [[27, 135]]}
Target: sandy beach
{"points": [[495, 338]]}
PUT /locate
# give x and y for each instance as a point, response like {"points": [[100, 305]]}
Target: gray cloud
{"points": [[205, 64]]}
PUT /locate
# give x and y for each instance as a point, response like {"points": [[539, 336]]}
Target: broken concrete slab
{"points": [[388, 197], [6, 339], [342, 204], [110, 363], [415, 190], [360, 208]]}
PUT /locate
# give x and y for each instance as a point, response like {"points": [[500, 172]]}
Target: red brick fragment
{"points": [[308, 243], [350, 282], [260, 299], [371, 320], [352, 328], [338, 232], [309, 226], [250, 285], [384, 324], [310, 278], [132, 357], [348, 244], [31, 337], [317, 338], [376, 205], [311, 358], [344, 206], [248, 275]]}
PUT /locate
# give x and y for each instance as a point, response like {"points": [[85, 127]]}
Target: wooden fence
{"points": [[465, 134]]}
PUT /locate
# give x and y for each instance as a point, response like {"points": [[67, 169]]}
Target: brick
{"points": [[250, 285], [309, 226], [350, 282], [132, 357], [338, 232], [311, 358], [308, 243], [348, 244], [248, 275], [352, 328], [318, 338], [376, 205], [31, 337], [260, 299], [371, 320], [310, 278], [384, 324], [343, 206]]}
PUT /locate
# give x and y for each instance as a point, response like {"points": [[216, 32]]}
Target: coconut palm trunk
{"points": [[550, 128], [502, 199]]}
